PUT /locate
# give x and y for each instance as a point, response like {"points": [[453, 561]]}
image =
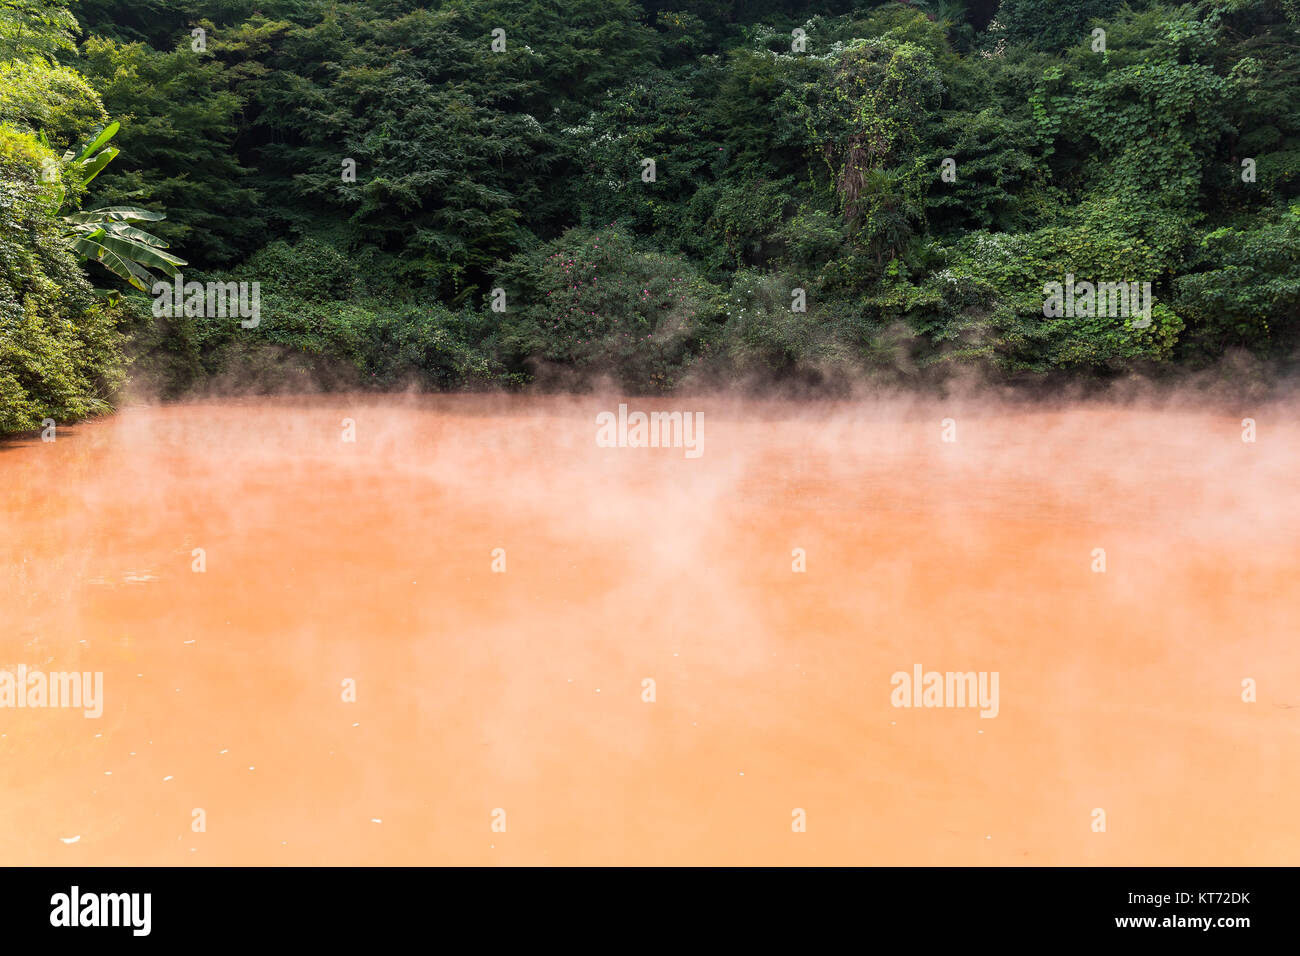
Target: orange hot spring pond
{"points": [[505, 717]]}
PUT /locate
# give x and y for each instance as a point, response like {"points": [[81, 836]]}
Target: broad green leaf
{"points": [[92, 169], [105, 135], [142, 254], [117, 214], [123, 268], [130, 232]]}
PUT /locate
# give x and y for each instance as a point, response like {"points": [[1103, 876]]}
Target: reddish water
{"points": [[371, 561]]}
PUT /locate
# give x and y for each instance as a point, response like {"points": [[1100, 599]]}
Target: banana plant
{"points": [[106, 235]]}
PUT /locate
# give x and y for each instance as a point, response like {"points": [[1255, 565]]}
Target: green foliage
{"points": [[304, 339], [743, 220], [919, 179], [763, 334], [35, 29], [1245, 290], [313, 270], [180, 114], [592, 300], [993, 293], [455, 144], [106, 235], [1149, 123], [54, 100], [864, 119], [60, 351], [1049, 24], [997, 158]]}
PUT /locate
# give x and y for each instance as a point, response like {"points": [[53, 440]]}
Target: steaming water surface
{"points": [[371, 561]]}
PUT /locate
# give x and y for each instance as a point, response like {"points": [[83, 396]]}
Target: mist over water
{"points": [[523, 690]]}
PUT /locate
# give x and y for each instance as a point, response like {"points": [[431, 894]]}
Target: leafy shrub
{"points": [[1048, 24], [763, 333], [594, 300], [310, 270], [60, 350], [1246, 290], [53, 100]]}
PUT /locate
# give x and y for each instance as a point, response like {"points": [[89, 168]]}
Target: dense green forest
{"points": [[498, 193]]}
